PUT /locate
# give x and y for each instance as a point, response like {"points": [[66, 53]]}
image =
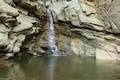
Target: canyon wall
{"points": [[83, 27]]}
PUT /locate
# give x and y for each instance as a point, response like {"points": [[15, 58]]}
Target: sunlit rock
{"points": [[5, 8], [14, 27], [77, 12]]}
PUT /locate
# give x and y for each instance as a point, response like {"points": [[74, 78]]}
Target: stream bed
{"points": [[59, 68]]}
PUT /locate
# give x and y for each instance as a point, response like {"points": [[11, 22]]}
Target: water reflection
{"points": [[11, 71], [52, 62], [59, 68]]}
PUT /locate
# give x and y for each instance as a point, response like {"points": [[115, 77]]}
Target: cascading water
{"points": [[51, 34]]}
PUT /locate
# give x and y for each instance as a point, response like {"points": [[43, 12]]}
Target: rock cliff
{"points": [[83, 27]]}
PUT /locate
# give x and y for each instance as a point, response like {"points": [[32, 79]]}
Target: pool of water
{"points": [[59, 68]]}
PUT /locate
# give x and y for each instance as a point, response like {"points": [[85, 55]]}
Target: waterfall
{"points": [[51, 34]]}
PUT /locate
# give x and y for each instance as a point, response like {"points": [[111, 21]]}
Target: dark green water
{"points": [[59, 68]]}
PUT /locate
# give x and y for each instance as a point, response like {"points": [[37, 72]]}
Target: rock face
{"points": [[83, 27], [109, 10], [14, 26], [95, 29]]}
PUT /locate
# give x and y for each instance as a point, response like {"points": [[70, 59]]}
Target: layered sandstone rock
{"points": [[83, 27], [14, 26]]}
